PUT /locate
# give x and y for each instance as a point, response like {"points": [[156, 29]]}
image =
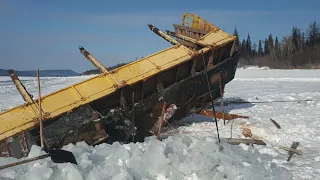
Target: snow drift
{"points": [[177, 157]]}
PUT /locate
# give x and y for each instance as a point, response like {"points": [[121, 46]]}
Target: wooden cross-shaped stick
{"points": [[293, 150]]}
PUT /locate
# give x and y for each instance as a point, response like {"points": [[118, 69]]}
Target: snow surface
{"points": [[192, 151]]}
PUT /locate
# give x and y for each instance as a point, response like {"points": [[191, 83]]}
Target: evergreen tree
{"points": [[303, 41], [254, 49], [276, 43], [235, 33], [248, 45], [266, 47], [243, 47], [260, 50], [313, 33], [270, 42], [294, 37]]}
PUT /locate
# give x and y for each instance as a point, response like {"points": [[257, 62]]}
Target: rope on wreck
{"points": [[213, 109]]}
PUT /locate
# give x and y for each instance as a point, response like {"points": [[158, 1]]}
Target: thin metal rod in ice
{"points": [[214, 111]]}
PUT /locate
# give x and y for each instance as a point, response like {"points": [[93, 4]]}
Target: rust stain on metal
{"points": [[219, 115], [214, 78]]}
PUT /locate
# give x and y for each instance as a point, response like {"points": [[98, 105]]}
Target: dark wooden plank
{"points": [[293, 146], [275, 123], [237, 141]]}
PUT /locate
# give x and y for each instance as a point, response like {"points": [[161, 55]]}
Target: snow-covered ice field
{"points": [[192, 151]]}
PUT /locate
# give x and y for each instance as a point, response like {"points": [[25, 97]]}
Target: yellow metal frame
{"points": [[197, 22], [23, 117]]}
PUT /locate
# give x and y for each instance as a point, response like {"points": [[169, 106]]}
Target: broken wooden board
{"points": [[237, 141], [293, 147], [275, 123], [221, 115], [295, 151]]}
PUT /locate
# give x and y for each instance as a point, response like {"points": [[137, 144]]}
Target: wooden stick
{"points": [[161, 119], [296, 151], [24, 161], [40, 109], [237, 141], [293, 146], [275, 123]]}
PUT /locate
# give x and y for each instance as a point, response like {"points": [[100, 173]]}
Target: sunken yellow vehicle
{"points": [[125, 104]]}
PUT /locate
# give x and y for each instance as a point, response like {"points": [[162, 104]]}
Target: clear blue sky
{"points": [[46, 34]]}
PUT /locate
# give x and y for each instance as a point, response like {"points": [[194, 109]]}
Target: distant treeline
{"points": [[301, 49], [43, 73], [96, 71]]}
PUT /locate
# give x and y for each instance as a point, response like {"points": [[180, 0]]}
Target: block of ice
{"points": [[70, 172], [35, 151], [8, 174]]}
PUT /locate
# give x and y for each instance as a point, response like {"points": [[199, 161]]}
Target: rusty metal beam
{"points": [[160, 87], [20, 87], [193, 69], [123, 101], [220, 115], [178, 26], [210, 61], [142, 86], [177, 74], [98, 65], [163, 35], [185, 38], [93, 60], [27, 97]]}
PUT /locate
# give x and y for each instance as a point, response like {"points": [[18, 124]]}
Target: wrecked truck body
{"points": [[124, 104]]}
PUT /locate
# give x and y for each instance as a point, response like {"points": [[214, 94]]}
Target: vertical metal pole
{"points": [[213, 109], [40, 109], [221, 93], [133, 124]]}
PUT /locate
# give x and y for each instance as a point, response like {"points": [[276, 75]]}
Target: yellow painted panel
{"points": [[135, 71], [16, 117], [166, 58], [217, 38], [153, 64], [94, 86], [61, 99]]}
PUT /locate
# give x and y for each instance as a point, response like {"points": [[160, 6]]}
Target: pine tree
{"points": [[254, 49], [303, 41], [235, 33], [243, 47], [277, 46], [313, 33], [266, 47], [294, 37], [248, 45], [260, 50], [270, 42]]}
